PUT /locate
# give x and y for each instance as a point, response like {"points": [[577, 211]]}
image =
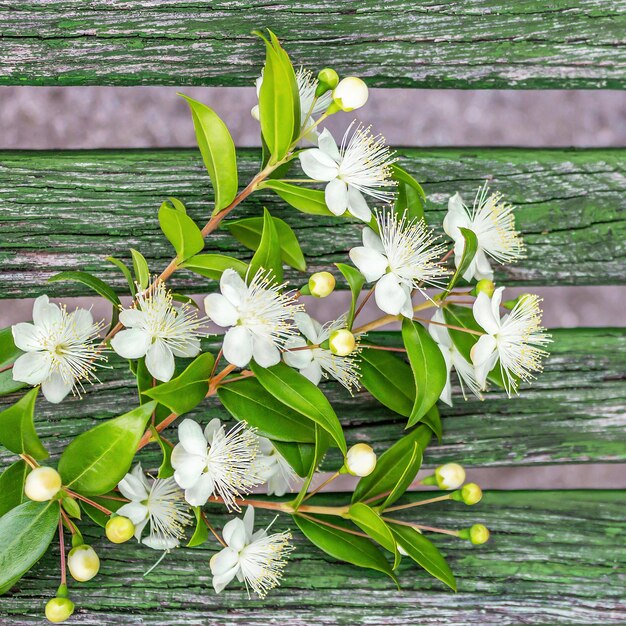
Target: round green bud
{"points": [[321, 284], [328, 79], [83, 563], [342, 342], [471, 493], [479, 534], [360, 460], [119, 529], [59, 609], [450, 476], [485, 286], [350, 94], [42, 484]]}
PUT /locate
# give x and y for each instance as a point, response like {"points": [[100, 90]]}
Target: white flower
{"points": [[159, 331], [260, 318], [516, 339], [316, 362], [401, 259], [360, 166], [351, 93], [492, 221], [309, 107], [214, 462], [272, 469], [159, 502], [59, 348], [453, 358], [255, 558]]}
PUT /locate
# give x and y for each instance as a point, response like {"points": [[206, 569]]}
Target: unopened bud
{"points": [[478, 534], [83, 563], [254, 111], [511, 304], [42, 484], [327, 80], [321, 284], [360, 460], [59, 609], [342, 342], [350, 94], [469, 494], [119, 529], [449, 476], [485, 286]]}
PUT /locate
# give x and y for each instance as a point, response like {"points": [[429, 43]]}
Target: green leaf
{"points": [[185, 392], [322, 443], [247, 400], [469, 251], [301, 456], [140, 267], [213, 265], [17, 427], [311, 201], [218, 152], [411, 468], [129, 277], [355, 281], [369, 522], [71, 507], [389, 379], [9, 353], [96, 515], [181, 231], [249, 231], [424, 553], [391, 465], [299, 393], [344, 546], [201, 532], [165, 469], [25, 534], [432, 419], [12, 486], [428, 366], [268, 255], [99, 458], [410, 196]]}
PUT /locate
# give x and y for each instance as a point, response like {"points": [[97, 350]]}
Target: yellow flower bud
{"points": [[485, 286], [342, 342], [350, 94], [471, 493], [59, 609], [328, 78], [479, 534], [83, 563], [450, 476], [42, 484], [119, 529], [321, 284], [360, 460]]}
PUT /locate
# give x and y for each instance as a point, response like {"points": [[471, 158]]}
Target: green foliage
{"points": [[181, 231], [311, 201], [140, 267], [355, 281], [201, 532], [409, 466], [410, 196], [8, 355], [268, 254], [17, 427], [370, 523], [301, 456], [107, 500], [129, 277], [213, 265], [12, 486], [469, 252]]}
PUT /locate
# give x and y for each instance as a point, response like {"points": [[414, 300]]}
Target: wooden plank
{"points": [[398, 43], [555, 557], [574, 412], [69, 210]]}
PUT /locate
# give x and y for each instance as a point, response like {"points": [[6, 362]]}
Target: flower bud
{"points": [[449, 476], [42, 484], [119, 529], [360, 460], [485, 286], [59, 609], [83, 563], [254, 111], [327, 79], [478, 534], [321, 284], [351, 93], [511, 304], [469, 494], [342, 342]]}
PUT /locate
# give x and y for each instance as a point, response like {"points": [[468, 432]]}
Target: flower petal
{"points": [[297, 358], [317, 165], [234, 533], [265, 352], [213, 429], [248, 522], [133, 488], [186, 350], [484, 356], [440, 333], [191, 437], [309, 327], [483, 314], [160, 361], [55, 387], [372, 240], [82, 321], [220, 310], [237, 346], [32, 368], [327, 144], [45, 313], [131, 344], [357, 205], [336, 196], [159, 542], [26, 336], [220, 582], [200, 491], [483, 266], [132, 317], [390, 294], [223, 561], [134, 511], [189, 469], [370, 263], [313, 372], [232, 286]]}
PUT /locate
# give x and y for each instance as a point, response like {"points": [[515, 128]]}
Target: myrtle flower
{"points": [[492, 221], [255, 558], [360, 166], [158, 502], [60, 353], [158, 330], [400, 259], [454, 359], [272, 469], [516, 339], [316, 361], [259, 316], [214, 462]]}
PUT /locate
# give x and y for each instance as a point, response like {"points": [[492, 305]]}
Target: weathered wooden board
{"points": [[574, 412], [554, 558], [396, 43], [69, 210]]}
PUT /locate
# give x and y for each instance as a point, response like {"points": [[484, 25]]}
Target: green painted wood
{"points": [[555, 557], [69, 210], [574, 412], [396, 43]]}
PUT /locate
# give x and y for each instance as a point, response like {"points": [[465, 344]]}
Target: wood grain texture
{"points": [[554, 558], [574, 412], [396, 43], [69, 210]]}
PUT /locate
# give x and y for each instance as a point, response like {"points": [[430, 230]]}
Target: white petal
{"points": [[134, 511], [160, 360], [483, 267], [45, 313], [370, 263], [372, 240], [313, 372], [223, 561], [336, 196], [133, 488], [248, 522], [237, 346], [191, 437], [483, 314], [309, 327], [234, 534], [213, 429], [132, 317], [484, 357], [407, 308], [32, 368], [456, 218], [82, 320], [357, 204], [199, 493], [440, 333], [328, 145], [219, 582], [297, 358], [317, 165], [189, 349], [496, 300], [232, 286], [131, 344], [446, 393], [159, 542], [188, 471], [220, 310], [390, 294], [26, 336], [265, 352], [55, 387]]}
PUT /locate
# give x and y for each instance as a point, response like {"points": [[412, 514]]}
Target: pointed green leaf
{"points": [[17, 427], [181, 231], [355, 281], [129, 277], [469, 252], [411, 468], [301, 456], [12, 486], [140, 267], [370, 523], [9, 352], [96, 515], [311, 201], [201, 532], [267, 256], [410, 196], [213, 265]]}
